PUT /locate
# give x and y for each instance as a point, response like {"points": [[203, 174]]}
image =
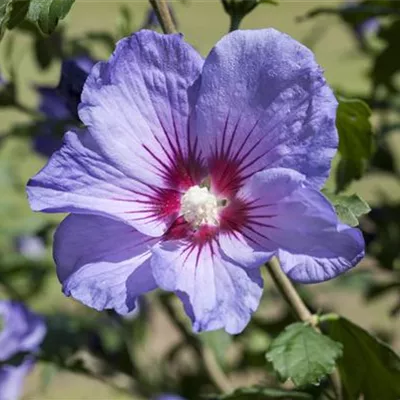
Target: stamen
{"points": [[199, 206]]}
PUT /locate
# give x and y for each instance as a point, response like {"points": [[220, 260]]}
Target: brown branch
{"points": [[289, 292], [164, 16]]}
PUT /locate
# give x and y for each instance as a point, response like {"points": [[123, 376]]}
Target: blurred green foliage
{"points": [[123, 353]]}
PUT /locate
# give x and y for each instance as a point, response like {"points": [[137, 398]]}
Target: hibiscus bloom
{"points": [[192, 173], [23, 332]]}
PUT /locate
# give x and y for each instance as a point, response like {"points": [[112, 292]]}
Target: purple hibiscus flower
{"points": [[192, 173], [59, 105], [23, 332]]}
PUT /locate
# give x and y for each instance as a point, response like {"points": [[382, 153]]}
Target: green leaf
{"points": [[369, 366], [348, 208], [48, 48], [303, 355], [124, 22], [356, 140], [5, 14], [47, 13], [18, 13], [261, 393], [12, 12], [218, 342]]}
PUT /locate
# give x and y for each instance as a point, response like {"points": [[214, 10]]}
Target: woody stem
{"points": [[164, 16]]}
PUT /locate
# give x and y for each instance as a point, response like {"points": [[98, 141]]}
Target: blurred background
{"points": [[369, 295]]}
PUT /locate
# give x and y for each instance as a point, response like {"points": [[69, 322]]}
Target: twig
{"points": [[210, 364], [164, 16], [289, 292], [301, 311]]}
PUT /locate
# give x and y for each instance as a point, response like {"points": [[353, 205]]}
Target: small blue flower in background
{"points": [[59, 105], [366, 27], [48, 136], [74, 72], [22, 332], [31, 247], [2, 81], [151, 20], [168, 397], [192, 173]]}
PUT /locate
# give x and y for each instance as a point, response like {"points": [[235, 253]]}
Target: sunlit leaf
{"points": [[47, 13], [348, 208], [12, 12], [303, 355], [5, 14], [368, 366], [18, 13], [124, 22]]}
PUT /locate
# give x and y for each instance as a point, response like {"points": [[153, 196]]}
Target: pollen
{"points": [[200, 207]]}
